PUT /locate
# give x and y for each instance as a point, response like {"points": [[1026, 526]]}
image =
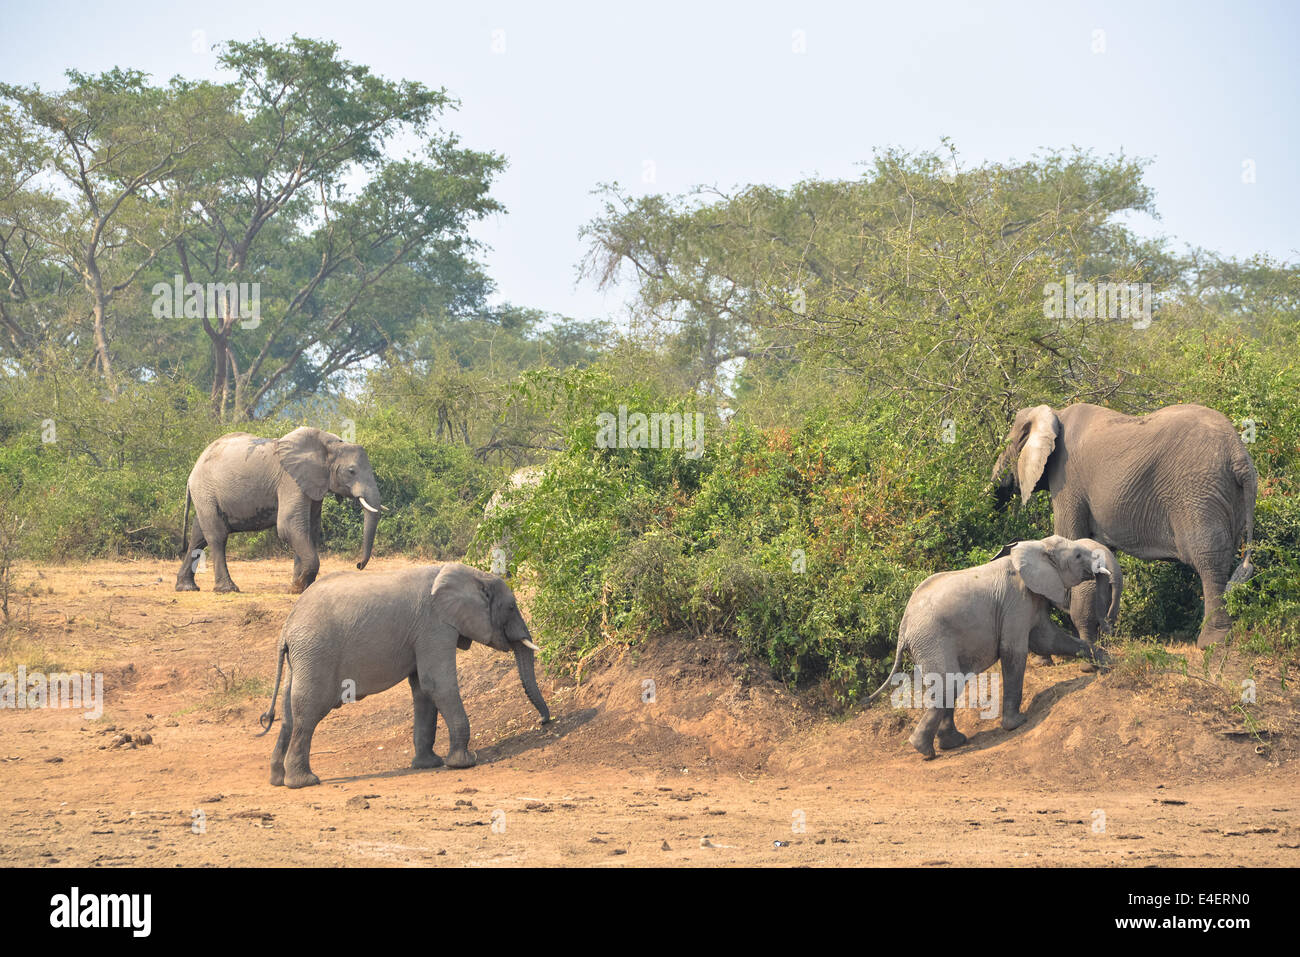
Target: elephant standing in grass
{"points": [[1177, 483], [958, 623], [243, 483], [354, 635]]}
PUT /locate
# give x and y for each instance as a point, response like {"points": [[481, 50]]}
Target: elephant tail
{"points": [[1248, 479], [268, 719], [898, 657], [185, 524]]}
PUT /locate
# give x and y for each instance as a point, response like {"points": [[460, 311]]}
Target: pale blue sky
{"points": [[713, 93]]}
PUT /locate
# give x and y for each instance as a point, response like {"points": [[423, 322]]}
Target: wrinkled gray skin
{"points": [[373, 631], [1175, 484], [961, 622], [1092, 605], [243, 483]]}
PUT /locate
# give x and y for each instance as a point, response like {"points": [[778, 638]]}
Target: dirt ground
{"points": [[722, 767]]}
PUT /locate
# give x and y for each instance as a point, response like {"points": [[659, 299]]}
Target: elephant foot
{"points": [[186, 586], [301, 780], [954, 740], [1013, 721], [461, 759], [1211, 636], [225, 587], [1045, 660], [277, 777], [923, 745], [427, 761]]}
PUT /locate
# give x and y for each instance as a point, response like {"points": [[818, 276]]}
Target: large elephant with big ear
{"points": [[1175, 484], [245, 483]]}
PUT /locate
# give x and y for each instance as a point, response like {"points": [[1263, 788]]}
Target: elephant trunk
{"points": [[368, 535], [524, 661], [1108, 593]]}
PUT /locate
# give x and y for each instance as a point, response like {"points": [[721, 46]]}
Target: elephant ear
{"points": [[1035, 448], [304, 454], [1033, 563], [1006, 550], [462, 600]]}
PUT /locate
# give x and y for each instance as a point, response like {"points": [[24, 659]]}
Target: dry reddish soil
{"points": [[724, 766]]}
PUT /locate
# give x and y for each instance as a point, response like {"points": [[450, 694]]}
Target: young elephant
{"points": [[352, 635], [1093, 606], [957, 624]]}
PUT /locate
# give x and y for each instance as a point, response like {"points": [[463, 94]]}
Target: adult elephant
{"points": [[243, 483], [1174, 484]]}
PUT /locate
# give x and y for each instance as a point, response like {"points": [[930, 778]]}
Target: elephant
{"points": [[243, 483], [958, 623], [1092, 605], [1175, 484], [354, 635]]}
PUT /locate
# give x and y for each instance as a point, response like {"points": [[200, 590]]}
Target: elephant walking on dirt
{"points": [[354, 635], [1175, 484], [243, 483], [958, 623]]}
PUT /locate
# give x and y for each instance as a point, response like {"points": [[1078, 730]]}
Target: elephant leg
{"points": [[441, 678], [317, 532], [922, 737], [1047, 638], [426, 727], [185, 577], [1214, 571], [949, 736], [220, 572], [306, 562], [306, 715], [1013, 686], [286, 732]]}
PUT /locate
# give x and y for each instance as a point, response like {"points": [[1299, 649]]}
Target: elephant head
{"points": [[321, 462], [482, 608], [1052, 566], [1022, 464], [1110, 586]]}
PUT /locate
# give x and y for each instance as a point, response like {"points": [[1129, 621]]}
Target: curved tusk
{"points": [[366, 505], [1103, 571], [529, 644]]}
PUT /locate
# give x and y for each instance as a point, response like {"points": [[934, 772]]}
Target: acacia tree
{"points": [[916, 279], [339, 265], [107, 145]]}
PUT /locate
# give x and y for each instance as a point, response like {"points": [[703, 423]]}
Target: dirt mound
{"points": [[679, 751], [1083, 728]]}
